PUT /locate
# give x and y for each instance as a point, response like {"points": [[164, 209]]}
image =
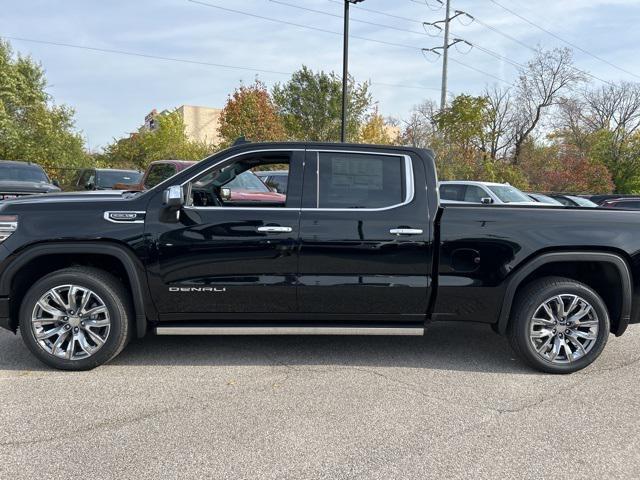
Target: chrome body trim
{"points": [[409, 182], [108, 218], [404, 331]]}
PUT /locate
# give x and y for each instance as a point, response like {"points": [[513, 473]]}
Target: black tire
{"points": [[115, 298], [525, 306]]}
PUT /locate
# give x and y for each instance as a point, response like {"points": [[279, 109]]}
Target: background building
{"points": [[200, 123]]}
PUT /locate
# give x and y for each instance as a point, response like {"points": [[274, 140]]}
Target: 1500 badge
{"points": [[198, 289]]}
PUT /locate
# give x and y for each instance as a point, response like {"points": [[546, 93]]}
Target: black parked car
{"points": [[104, 178], [601, 198], [18, 179]]}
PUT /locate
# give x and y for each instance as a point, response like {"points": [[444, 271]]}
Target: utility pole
{"points": [[445, 56], [446, 45], [345, 69]]}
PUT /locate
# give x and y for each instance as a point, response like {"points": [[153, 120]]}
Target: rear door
{"points": [[365, 236]]}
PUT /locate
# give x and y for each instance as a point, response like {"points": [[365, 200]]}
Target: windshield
{"points": [[583, 202], [508, 194], [108, 178], [247, 181], [22, 173]]}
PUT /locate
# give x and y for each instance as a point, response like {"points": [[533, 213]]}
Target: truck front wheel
{"points": [[76, 318], [558, 325]]}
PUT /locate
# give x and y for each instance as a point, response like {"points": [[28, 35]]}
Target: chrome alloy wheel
{"points": [[70, 322], [564, 329]]}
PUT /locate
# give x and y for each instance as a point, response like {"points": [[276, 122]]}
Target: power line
{"points": [[299, 25], [379, 12], [554, 35], [391, 27], [175, 59], [143, 55]]}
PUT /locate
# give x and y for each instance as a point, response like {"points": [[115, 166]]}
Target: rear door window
{"points": [[354, 180]]}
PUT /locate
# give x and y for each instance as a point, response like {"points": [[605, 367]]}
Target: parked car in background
{"points": [[622, 203], [104, 178], [18, 179], [483, 192], [572, 200], [157, 172], [541, 198], [603, 197], [275, 179]]}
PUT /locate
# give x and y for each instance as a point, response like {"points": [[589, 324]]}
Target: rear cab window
{"points": [[356, 181]]}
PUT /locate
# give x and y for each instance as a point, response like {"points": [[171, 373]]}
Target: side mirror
{"points": [[55, 183], [225, 194], [173, 197], [88, 186], [486, 200]]}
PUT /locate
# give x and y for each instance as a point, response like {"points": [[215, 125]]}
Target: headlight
{"points": [[8, 225]]}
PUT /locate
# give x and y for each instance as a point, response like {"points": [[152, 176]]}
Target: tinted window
{"points": [[474, 194], [452, 192], [84, 178], [350, 180], [22, 173], [159, 173], [633, 204], [107, 179], [279, 182]]}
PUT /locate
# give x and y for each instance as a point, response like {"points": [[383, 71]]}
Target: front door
{"points": [[234, 249], [365, 237]]}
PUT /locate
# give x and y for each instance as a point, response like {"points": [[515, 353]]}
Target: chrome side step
{"points": [[414, 331]]}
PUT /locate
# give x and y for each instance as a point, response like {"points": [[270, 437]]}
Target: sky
{"points": [[112, 92]]}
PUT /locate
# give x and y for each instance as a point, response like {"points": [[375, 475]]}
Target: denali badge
{"points": [[198, 289]]}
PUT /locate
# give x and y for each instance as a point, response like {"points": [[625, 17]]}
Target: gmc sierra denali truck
{"points": [[361, 245]]}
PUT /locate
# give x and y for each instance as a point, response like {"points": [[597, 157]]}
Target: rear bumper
{"points": [[5, 321]]}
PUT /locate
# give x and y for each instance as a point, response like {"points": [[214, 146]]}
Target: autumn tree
{"points": [[250, 112], [32, 126], [311, 105], [378, 131]]}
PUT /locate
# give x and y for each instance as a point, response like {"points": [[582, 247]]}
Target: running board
{"points": [[417, 331]]}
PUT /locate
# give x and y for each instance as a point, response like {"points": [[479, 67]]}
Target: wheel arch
{"points": [[594, 268], [113, 257]]}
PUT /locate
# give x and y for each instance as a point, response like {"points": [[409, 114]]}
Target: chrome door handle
{"points": [[405, 231], [275, 229]]}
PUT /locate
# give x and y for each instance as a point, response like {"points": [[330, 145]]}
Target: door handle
{"points": [[405, 231], [274, 229]]}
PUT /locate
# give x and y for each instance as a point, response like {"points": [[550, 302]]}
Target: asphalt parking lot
{"points": [[454, 404]]}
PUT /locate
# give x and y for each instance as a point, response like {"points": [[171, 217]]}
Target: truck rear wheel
{"points": [[558, 325], [76, 318]]}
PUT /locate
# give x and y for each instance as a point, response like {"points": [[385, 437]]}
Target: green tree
{"points": [[622, 158], [311, 104], [250, 112], [32, 127], [167, 141]]}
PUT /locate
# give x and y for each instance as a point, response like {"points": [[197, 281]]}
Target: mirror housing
{"points": [[55, 183], [225, 194], [486, 200], [173, 197]]}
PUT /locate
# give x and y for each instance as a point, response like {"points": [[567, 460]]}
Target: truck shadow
{"points": [[445, 346]]}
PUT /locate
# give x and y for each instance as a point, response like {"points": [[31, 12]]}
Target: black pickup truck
{"points": [[361, 246]]}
